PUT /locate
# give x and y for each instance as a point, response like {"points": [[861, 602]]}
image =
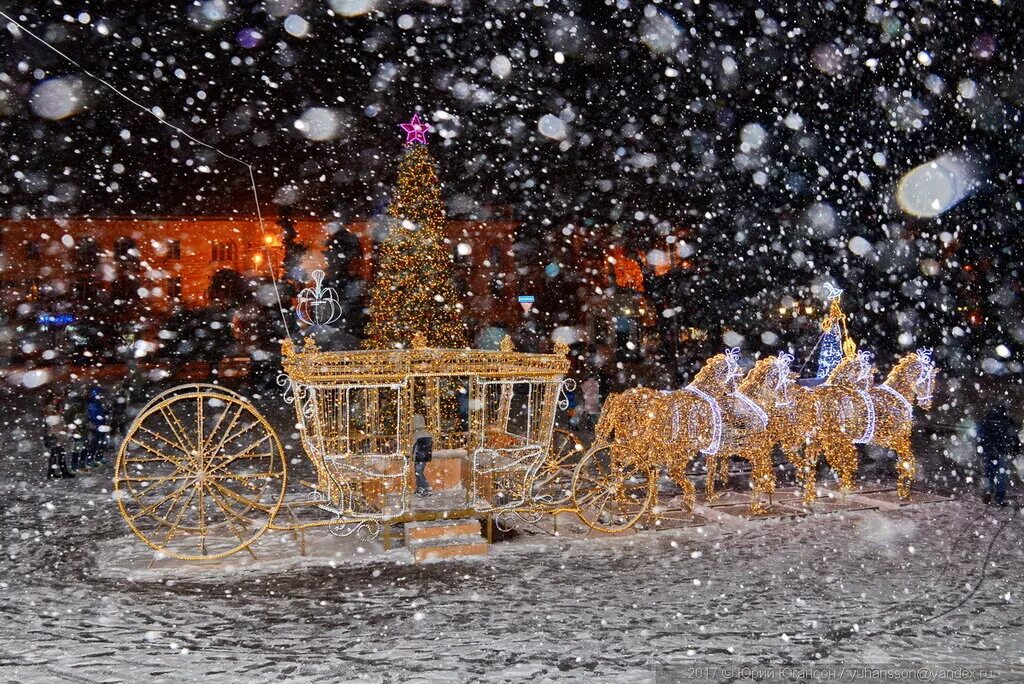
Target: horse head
{"points": [[924, 383], [913, 377], [769, 382], [866, 373], [784, 379]]}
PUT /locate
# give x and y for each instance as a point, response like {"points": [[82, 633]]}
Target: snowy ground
{"points": [[934, 582]]}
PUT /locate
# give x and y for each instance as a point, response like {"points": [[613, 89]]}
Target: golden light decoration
{"points": [[201, 473], [719, 414], [850, 409], [413, 290]]}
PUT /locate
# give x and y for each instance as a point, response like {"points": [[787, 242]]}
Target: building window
{"points": [[223, 251], [174, 288], [32, 251], [173, 252], [125, 248]]}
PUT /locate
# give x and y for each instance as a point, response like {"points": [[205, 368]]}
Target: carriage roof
{"points": [[311, 366]]}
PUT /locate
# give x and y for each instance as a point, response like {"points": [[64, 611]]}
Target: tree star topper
{"points": [[415, 131]]}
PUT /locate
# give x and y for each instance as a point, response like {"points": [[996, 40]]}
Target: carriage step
{"points": [[439, 539], [441, 529]]}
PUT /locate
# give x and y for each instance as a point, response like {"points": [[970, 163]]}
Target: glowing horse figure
{"points": [[771, 385], [624, 417], [850, 410], [660, 429], [744, 429]]}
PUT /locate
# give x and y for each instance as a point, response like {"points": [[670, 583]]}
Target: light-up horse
{"points": [[850, 410], [661, 429], [744, 429], [771, 384]]}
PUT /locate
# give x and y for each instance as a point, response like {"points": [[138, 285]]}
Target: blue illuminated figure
{"points": [[831, 351], [835, 343]]}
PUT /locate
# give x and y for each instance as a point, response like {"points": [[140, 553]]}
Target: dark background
{"points": [[655, 98]]}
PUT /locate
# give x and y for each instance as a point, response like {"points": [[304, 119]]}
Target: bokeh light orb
{"points": [[58, 98], [936, 186], [550, 126], [248, 38], [319, 124], [296, 26], [352, 8]]}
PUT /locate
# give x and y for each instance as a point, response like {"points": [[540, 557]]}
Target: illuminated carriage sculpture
{"points": [[201, 474]]}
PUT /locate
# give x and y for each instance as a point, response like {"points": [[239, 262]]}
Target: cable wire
{"points": [[181, 131]]}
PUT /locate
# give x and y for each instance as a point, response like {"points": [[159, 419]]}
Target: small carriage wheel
{"points": [[552, 484], [612, 488], [200, 474]]}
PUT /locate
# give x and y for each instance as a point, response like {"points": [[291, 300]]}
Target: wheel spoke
{"points": [[177, 429], [236, 435], [157, 479], [245, 453], [152, 507], [227, 430], [246, 476], [147, 490], [238, 498], [200, 442], [177, 521], [162, 455], [224, 505]]}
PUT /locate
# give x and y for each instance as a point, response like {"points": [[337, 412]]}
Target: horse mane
{"points": [[757, 374], [901, 366], [704, 375]]}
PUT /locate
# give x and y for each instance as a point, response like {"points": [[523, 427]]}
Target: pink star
{"points": [[415, 131]]}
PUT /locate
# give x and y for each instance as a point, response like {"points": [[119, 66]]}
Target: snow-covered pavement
{"points": [[867, 586]]}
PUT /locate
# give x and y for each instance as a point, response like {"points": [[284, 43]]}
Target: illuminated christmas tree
{"points": [[413, 290]]}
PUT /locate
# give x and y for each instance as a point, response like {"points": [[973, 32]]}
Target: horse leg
{"points": [[723, 471], [677, 471], [804, 456], [906, 467], [709, 480], [763, 480], [847, 462]]}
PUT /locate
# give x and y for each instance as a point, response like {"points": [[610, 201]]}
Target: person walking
{"points": [[76, 418], [998, 445], [55, 438], [422, 453], [98, 427]]}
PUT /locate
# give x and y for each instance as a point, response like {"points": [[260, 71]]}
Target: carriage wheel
{"points": [[612, 488], [552, 484], [200, 474]]}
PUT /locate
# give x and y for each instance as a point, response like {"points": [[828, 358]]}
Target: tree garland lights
{"points": [[413, 291]]}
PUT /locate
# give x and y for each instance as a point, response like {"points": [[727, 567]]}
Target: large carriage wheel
{"points": [[200, 474], [612, 488], [552, 485]]}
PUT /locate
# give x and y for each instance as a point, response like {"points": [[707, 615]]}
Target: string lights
{"points": [[723, 413], [880, 415], [413, 290]]}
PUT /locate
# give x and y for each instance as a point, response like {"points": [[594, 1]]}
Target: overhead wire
{"points": [[189, 136]]}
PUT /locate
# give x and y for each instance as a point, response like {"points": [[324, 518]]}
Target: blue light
{"points": [[57, 320], [527, 299], [831, 351]]}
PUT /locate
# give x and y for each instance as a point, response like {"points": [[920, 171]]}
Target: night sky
{"points": [[775, 136]]}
